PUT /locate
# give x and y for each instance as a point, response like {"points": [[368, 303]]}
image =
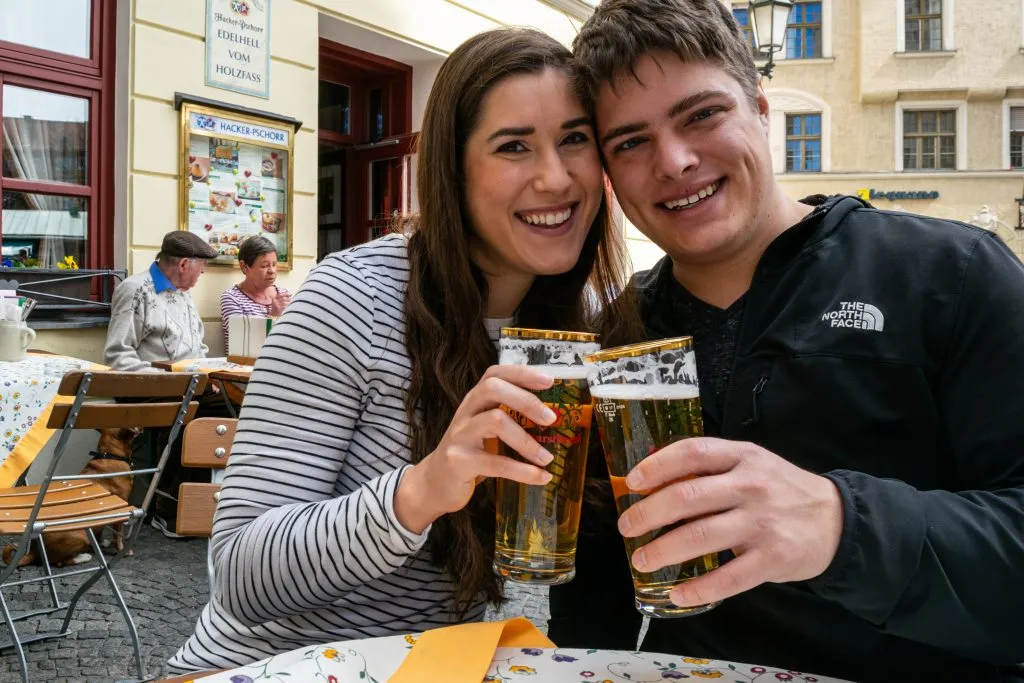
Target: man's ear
{"points": [[763, 107]]}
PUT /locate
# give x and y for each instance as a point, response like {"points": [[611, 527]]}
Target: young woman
{"points": [[351, 506]]}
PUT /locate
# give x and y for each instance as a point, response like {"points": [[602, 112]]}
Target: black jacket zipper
{"points": [[755, 416]]}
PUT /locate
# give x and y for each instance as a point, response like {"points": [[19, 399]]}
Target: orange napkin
{"points": [[463, 653]]}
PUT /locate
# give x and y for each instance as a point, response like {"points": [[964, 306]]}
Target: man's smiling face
{"points": [[688, 154]]}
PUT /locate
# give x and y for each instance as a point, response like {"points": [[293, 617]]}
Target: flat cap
{"points": [[184, 244]]}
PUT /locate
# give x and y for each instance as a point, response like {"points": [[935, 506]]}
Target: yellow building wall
{"points": [[166, 54]]}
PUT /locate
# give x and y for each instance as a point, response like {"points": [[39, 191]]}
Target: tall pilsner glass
{"points": [[646, 397], [537, 525]]}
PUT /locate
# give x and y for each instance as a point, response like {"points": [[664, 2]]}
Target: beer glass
{"points": [[645, 397], [535, 539]]}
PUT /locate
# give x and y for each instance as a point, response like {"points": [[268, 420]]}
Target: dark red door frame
{"points": [[363, 72]]}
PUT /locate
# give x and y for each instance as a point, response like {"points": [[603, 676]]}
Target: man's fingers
{"points": [[692, 540], [732, 578], [686, 499], [684, 458], [495, 423]]}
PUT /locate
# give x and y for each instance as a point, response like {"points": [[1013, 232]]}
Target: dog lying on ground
{"points": [[65, 548]]}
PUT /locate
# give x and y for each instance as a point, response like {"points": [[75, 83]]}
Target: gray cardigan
{"points": [[150, 321]]}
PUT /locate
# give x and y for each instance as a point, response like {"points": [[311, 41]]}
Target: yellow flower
{"points": [[706, 673], [16, 395], [411, 639], [330, 654], [694, 660], [525, 670], [69, 263]]}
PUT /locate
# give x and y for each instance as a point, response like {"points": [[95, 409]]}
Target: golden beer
{"points": [[646, 397], [537, 526]]}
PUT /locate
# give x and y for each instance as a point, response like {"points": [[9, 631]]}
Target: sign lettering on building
{"points": [[869, 194], [238, 46]]}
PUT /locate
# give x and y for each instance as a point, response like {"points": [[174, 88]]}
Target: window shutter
{"points": [[1017, 119]]}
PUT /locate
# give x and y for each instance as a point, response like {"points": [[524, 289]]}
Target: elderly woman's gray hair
{"points": [[253, 248]]}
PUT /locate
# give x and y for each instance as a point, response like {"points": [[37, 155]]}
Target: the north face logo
{"points": [[859, 316]]}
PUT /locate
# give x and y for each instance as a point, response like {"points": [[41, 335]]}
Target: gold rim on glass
{"points": [[559, 335], [641, 349]]}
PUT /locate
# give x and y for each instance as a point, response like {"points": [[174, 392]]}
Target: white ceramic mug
{"points": [[15, 337]]}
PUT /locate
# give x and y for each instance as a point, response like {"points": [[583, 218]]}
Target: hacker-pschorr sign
{"points": [[238, 46]]}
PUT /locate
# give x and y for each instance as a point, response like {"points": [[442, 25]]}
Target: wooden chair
{"points": [[75, 502], [207, 444]]}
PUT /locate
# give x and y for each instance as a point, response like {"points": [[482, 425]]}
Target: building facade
{"points": [[917, 105], [96, 167]]}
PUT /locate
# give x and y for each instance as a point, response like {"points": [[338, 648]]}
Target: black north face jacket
{"points": [[886, 352]]}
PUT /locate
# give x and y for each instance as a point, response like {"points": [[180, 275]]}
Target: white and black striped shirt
{"points": [[306, 544]]}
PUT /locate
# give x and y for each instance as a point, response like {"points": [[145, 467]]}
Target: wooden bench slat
{"points": [[127, 415], [196, 506], [55, 496], [55, 486], [201, 441], [112, 384], [13, 519]]}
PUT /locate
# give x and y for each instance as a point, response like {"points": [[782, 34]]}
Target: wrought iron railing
{"points": [[58, 290]]}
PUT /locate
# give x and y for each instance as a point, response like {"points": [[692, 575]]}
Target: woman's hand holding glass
{"points": [[444, 481]]}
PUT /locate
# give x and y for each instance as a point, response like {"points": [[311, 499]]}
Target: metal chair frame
{"points": [[34, 528]]}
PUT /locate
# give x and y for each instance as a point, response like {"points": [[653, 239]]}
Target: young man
{"points": [[862, 371]]}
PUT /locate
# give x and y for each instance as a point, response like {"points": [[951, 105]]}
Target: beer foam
{"points": [[676, 367], [544, 352], [562, 371], [644, 392]]}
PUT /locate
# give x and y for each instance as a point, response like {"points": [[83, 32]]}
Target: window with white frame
{"points": [[929, 139], [1016, 124], [799, 131], [803, 31], [922, 25], [803, 143], [742, 17]]}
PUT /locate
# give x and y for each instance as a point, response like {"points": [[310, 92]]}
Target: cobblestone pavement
{"points": [[165, 586]]}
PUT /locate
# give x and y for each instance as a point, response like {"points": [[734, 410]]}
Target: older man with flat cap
{"points": [[153, 317]]}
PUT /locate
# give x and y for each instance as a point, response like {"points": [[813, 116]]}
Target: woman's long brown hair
{"points": [[445, 304]]}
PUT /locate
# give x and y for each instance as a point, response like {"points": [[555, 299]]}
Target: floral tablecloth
{"points": [[27, 392], [375, 660]]}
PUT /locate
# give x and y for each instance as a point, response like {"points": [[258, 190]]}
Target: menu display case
{"points": [[236, 182]]}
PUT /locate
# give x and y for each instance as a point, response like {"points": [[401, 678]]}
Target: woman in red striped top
{"points": [[256, 295]]}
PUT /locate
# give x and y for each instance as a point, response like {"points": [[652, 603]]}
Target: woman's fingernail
{"points": [[545, 478], [635, 480], [545, 455], [624, 525], [549, 415]]}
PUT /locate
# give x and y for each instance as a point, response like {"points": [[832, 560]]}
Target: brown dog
{"points": [[64, 548]]}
